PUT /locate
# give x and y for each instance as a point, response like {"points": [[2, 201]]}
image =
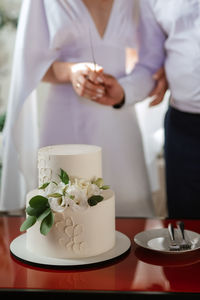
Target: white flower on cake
{"points": [[74, 193]]}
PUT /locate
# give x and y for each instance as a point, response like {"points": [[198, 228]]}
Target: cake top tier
{"points": [[78, 160], [69, 149]]}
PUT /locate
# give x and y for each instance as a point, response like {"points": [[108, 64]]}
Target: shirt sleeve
{"points": [[151, 38]]}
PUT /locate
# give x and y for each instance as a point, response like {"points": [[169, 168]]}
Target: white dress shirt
{"points": [[169, 35]]}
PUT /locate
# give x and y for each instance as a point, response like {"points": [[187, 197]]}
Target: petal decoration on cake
{"points": [[69, 245], [60, 226], [83, 246], [69, 221], [76, 247], [78, 229], [69, 230], [78, 238]]}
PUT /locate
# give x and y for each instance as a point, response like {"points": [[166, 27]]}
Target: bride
{"points": [[79, 49]]}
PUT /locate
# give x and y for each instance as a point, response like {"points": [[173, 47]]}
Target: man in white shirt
{"points": [[169, 35]]}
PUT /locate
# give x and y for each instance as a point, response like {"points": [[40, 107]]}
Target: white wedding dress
{"points": [[64, 30]]}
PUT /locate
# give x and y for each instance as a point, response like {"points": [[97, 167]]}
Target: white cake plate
{"points": [[19, 251]]}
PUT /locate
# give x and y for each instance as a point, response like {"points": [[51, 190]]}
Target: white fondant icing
{"points": [[62, 242], [98, 231], [82, 161]]}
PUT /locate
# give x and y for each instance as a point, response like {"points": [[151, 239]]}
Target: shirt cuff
{"points": [[120, 104]]}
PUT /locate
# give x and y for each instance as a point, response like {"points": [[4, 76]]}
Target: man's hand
{"points": [[114, 93], [160, 89]]}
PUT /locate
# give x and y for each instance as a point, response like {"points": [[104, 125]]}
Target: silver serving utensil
{"points": [[173, 244], [184, 244]]}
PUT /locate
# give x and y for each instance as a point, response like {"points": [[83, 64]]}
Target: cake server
{"points": [[92, 50]]}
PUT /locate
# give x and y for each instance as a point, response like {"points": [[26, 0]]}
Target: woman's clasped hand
{"points": [[89, 81]]}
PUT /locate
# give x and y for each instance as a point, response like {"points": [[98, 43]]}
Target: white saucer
{"points": [[18, 249], [158, 240]]}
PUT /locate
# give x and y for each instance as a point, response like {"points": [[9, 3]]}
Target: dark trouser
{"points": [[182, 158]]}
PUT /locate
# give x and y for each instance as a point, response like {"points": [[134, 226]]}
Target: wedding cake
{"points": [[72, 213]]}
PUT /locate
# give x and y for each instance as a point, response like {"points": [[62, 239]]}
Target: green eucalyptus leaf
{"points": [[38, 201], [42, 187], [44, 214], [55, 195], [35, 211], [30, 221], [47, 223], [64, 176], [105, 187], [93, 200]]}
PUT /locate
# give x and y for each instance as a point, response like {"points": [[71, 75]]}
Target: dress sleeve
{"points": [[32, 57], [139, 83]]}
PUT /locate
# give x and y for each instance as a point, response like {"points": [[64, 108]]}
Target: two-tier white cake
{"points": [[69, 175]]}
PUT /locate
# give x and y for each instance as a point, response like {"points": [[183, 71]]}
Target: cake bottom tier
{"points": [[76, 234]]}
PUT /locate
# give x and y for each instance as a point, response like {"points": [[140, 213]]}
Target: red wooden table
{"points": [[139, 272]]}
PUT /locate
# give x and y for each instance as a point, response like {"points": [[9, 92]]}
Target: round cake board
{"points": [[20, 252]]}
